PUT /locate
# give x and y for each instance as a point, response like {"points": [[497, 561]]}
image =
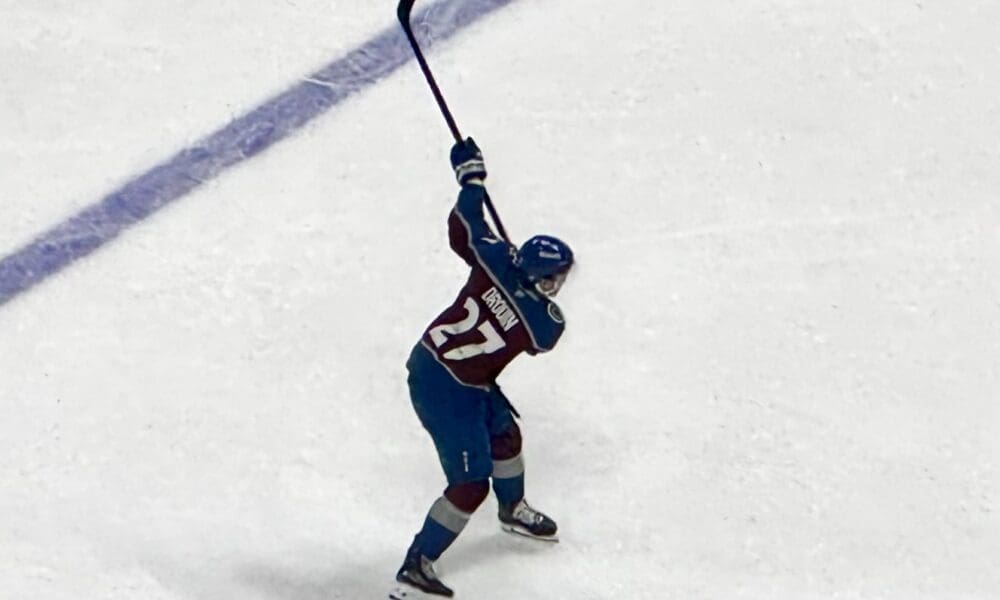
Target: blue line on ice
{"points": [[243, 138]]}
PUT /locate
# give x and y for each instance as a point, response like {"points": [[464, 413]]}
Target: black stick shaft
{"points": [[403, 12], [435, 89]]}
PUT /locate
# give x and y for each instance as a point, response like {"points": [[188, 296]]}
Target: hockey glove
{"points": [[467, 160]]}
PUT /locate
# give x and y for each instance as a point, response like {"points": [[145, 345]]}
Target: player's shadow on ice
{"points": [[353, 577], [350, 580], [343, 581], [486, 549]]}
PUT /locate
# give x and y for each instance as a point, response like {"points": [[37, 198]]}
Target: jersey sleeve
{"points": [[470, 235], [547, 325]]}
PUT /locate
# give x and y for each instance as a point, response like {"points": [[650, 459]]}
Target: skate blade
{"points": [[513, 530], [397, 594], [401, 591]]}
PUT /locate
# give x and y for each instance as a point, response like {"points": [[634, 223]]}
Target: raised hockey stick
{"points": [[403, 12]]}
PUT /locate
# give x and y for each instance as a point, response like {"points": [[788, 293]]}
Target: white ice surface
{"points": [[781, 374]]}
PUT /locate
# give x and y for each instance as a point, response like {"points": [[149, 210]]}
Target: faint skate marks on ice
{"points": [[245, 137]]}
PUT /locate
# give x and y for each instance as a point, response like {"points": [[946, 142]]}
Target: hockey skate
{"points": [[417, 579], [523, 520]]}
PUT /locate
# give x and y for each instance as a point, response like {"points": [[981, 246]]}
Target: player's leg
{"points": [[455, 417], [508, 464], [516, 515]]}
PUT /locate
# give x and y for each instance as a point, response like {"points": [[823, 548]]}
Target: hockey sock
{"points": [[508, 480], [441, 527]]}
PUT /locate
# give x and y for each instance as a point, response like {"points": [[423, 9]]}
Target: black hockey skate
{"points": [[418, 580], [521, 519]]}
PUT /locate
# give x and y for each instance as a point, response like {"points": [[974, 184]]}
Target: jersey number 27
{"points": [[494, 341]]}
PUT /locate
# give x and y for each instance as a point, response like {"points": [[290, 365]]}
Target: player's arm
{"points": [[468, 230]]}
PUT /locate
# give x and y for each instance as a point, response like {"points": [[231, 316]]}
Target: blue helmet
{"points": [[543, 257]]}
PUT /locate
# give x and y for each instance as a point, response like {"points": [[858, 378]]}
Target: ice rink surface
{"points": [[780, 378]]}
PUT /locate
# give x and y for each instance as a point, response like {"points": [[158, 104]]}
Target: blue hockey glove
{"points": [[467, 160]]}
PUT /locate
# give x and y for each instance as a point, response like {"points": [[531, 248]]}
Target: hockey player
{"points": [[503, 310]]}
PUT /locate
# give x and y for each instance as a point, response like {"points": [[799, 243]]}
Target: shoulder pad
{"points": [[555, 313]]}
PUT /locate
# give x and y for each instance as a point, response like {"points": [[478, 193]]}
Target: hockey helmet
{"points": [[544, 260]]}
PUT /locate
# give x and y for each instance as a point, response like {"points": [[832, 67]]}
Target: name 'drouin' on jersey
{"points": [[493, 340]]}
